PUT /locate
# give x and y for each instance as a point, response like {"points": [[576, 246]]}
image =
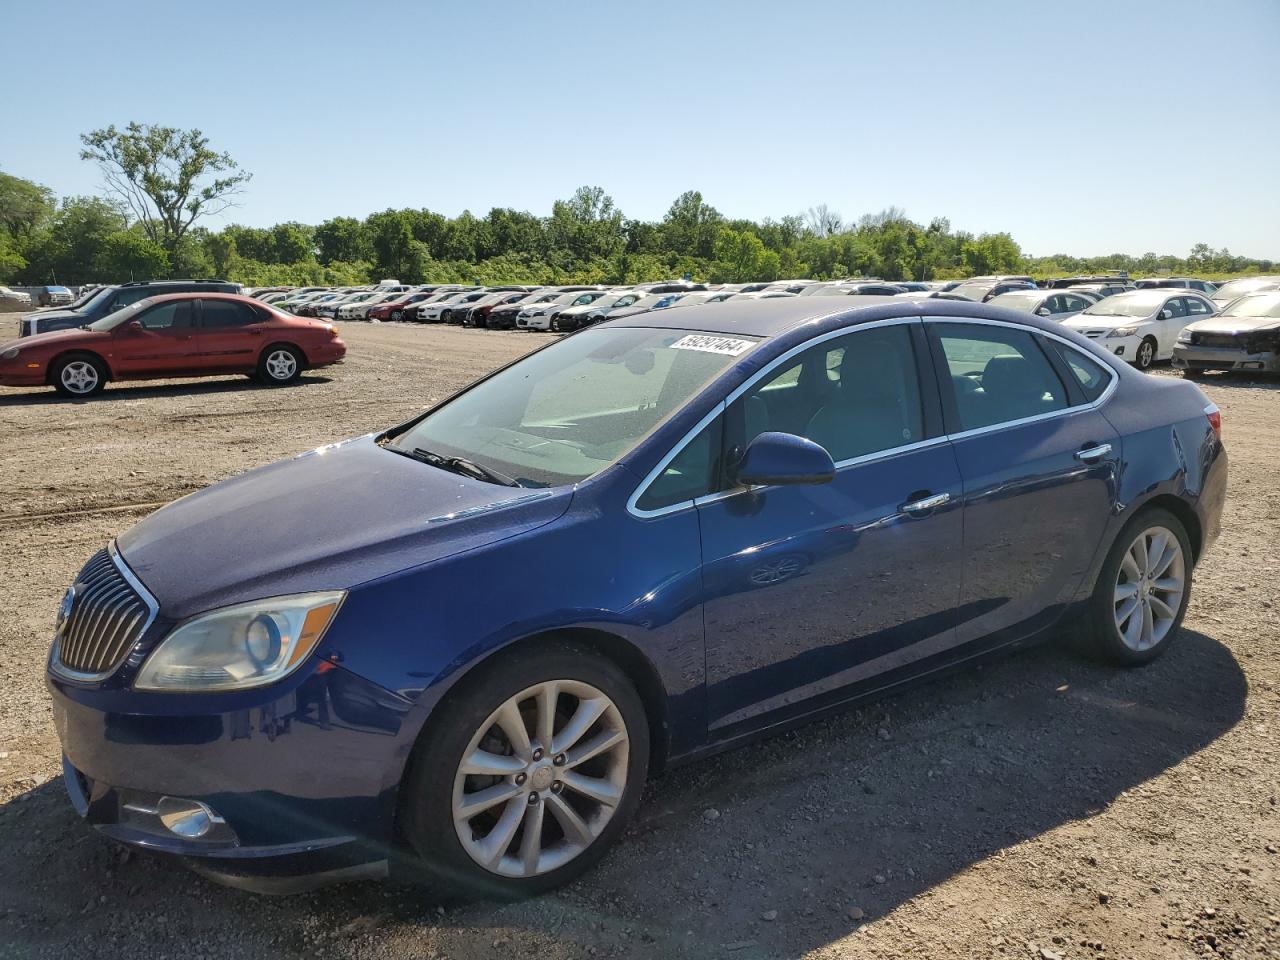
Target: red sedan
{"points": [[179, 335]]}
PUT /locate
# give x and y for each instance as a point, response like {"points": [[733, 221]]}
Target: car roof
{"points": [[203, 295], [773, 317]]}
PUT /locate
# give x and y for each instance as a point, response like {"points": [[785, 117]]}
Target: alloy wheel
{"points": [[541, 778], [281, 364], [1149, 588], [79, 377], [1146, 354]]}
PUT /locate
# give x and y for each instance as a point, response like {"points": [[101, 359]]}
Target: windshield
{"points": [[123, 315], [94, 299], [1238, 288], [973, 291], [1259, 305], [1127, 305], [1017, 301], [566, 412]]}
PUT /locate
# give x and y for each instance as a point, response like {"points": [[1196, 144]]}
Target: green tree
{"points": [[167, 178], [25, 206], [691, 226], [342, 238], [129, 255], [292, 243], [69, 249]]}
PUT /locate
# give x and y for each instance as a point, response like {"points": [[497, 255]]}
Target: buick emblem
{"points": [[64, 608]]}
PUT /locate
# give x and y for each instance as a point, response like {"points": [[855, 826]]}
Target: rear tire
{"points": [[279, 364], [79, 375], [575, 829], [1142, 593]]}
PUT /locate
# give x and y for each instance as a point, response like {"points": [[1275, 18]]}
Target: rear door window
{"points": [[996, 374], [225, 314]]}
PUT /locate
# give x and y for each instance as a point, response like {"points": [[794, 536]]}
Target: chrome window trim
{"points": [[1092, 405], [153, 610], [871, 457], [747, 384]]}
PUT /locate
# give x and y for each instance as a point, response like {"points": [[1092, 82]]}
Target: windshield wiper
{"points": [[456, 465]]}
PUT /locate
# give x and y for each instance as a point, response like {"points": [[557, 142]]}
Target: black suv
{"points": [[108, 300]]}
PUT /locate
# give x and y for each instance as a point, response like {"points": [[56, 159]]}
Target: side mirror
{"points": [[1166, 314], [1044, 312], [784, 458]]}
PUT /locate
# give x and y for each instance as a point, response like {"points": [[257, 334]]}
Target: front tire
{"points": [[1145, 358], [530, 774], [79, 376], [279, 364], [1142, 592]]}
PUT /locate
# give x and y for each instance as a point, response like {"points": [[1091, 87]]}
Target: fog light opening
{"points": [[186, 818]]}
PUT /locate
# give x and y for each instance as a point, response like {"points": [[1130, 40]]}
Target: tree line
{"points": [[160, 183]]}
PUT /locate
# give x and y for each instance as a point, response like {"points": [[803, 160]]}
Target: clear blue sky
{"points": [[1082, 127]]}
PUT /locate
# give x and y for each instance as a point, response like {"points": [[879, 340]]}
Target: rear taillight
{"points": [[1215, 419]]}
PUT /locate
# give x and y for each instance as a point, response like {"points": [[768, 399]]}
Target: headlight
{"points": [[10, 354], [1184, 336], [236, 648], [1123, 332]]}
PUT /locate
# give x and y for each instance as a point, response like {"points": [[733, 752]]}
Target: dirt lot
{"points": [[1042, 806]]}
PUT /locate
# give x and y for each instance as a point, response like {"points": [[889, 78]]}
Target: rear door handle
{"points": [[1094, 453], [925, 504]]}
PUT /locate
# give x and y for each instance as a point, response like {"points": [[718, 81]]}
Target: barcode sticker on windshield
{"points": [[700, 341]]}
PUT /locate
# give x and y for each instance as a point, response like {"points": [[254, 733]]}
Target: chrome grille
{"points": [[108, 613]]}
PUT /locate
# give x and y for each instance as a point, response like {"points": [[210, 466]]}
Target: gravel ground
{"points": [[1040, 806]]}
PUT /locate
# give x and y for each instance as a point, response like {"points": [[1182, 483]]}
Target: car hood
{"points": [[614, 313], [61, 315], [55, 336], [1082, 321], [328, 519], [1234, 324]]}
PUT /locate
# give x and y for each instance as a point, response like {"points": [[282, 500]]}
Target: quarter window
{"points": [[1093, 379], [997, 374], [692, 472]]}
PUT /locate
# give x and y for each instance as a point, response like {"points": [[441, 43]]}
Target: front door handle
{"points": [[1094, 453], [925, 504]]}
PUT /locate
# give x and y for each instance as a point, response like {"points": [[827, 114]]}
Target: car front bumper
{"points": [[277, 794], [1192, 357], [1126, 348]]}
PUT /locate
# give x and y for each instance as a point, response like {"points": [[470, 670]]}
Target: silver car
{"points": [[1050, 304], [1244, 336]]}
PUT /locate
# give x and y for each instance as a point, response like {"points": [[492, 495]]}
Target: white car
{"points": [[329, 308], [1050, 304], [538, 316], [432, 311], [358, 309], [1142, 326], [349, 309]]}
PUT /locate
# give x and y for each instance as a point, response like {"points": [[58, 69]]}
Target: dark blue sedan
{"points": [[465, 642]]}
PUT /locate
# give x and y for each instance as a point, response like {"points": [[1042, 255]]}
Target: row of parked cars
{"points": [[1195, 323]]}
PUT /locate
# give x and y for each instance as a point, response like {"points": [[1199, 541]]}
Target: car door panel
{"points": [[1035, 510], [230, 336], [813, 589], [160, 341]]}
